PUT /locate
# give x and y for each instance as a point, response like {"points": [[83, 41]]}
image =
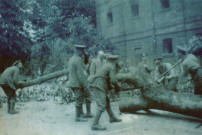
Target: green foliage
{"points": [[83, 32], [59, 25], [53, 26], [14, 40], [48, 56]]}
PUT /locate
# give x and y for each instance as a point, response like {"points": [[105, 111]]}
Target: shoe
{"points": [[111, 120], [80, 119], [95, 125], [79, 116], [87, 115], [90, 115], [98, 127], [12, 106], [13, 112]]}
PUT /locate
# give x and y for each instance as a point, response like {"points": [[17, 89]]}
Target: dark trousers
{"points": [[79, 96], [8, 91], [198, 82], [11, 97]]}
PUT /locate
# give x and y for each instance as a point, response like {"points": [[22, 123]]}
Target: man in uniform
{"points": [[170, 79], [100, 83], [191, 65], [10, 82], [78, 81]]}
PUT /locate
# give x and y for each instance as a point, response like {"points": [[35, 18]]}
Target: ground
{"points": [[50, 118]]}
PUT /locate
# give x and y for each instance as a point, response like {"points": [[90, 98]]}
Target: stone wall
{"points": [[144, 30]]}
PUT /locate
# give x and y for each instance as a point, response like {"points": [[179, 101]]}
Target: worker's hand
{"points": [[18, 92], [160, 80], [20, 84]]}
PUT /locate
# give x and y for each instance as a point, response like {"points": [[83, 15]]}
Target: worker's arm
{"points": [[171, 73]]}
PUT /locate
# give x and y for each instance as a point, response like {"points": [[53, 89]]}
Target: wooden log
{"points": [[156, 97], [44, 78], [186, 104], [132, 104]]}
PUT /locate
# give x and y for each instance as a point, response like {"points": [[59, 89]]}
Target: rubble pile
{"points": [[56, 90]]}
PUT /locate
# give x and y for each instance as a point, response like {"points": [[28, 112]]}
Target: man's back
{"points": [[96, 64], [105, 74], [76, 72], [191, 63], [9, 73], [10, 76]]}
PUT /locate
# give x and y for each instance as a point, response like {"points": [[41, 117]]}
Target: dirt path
{"points": [[49, 118]]}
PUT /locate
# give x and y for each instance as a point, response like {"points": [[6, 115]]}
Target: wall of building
{"points": [[145, 32]]}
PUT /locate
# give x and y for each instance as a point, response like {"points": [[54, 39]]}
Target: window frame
{"points": [[109, 17], [134, 7], [167, 46]]}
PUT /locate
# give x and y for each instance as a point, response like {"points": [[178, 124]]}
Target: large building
{"points": [[151, 26]]}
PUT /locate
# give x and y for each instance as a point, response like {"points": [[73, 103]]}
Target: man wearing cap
{"points": [[170, 79], [100, 85], [9, 82], [78, 81], [191, 65]]}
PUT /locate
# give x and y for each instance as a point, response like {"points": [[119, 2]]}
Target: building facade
{"points": [[155, 27]]}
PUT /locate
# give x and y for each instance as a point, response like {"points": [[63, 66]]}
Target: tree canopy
{"points": [[45, 30]]}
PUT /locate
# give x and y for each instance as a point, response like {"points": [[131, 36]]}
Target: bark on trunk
{"points": [[186, 104], [156, 97], [44, 78]]}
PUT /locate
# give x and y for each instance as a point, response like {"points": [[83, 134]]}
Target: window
{"points": [[167, 45], [165, 3], [134, 9], [109, 17]]}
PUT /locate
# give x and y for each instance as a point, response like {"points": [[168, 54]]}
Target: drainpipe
{"points": [[184, 23], [99, 28], [154, 30], [124, 32]]}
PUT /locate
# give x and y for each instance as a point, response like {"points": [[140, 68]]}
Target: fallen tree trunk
{"points": [[44, 78], [156, 97], [186, 104]]}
